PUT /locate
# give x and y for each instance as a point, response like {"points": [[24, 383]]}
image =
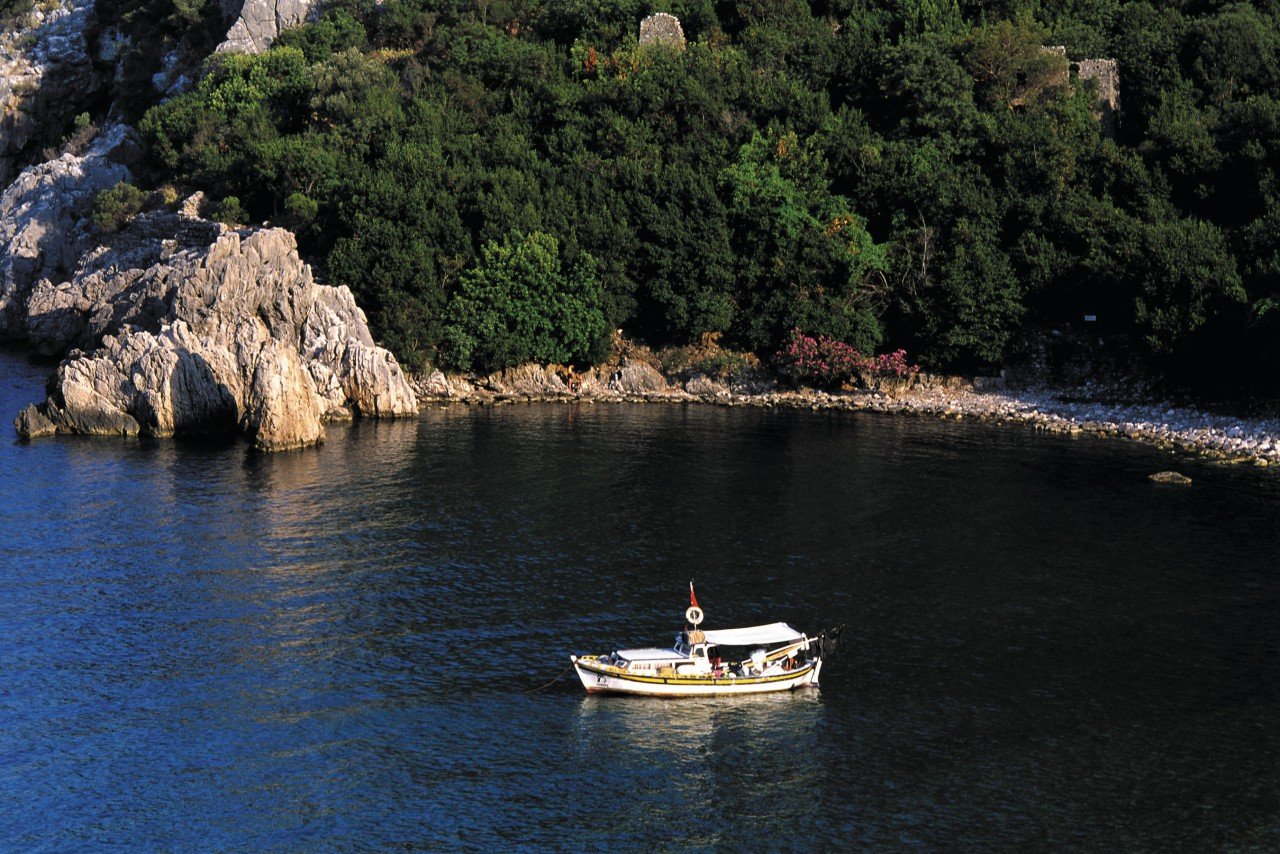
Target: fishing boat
{"points": [[751, 660]]}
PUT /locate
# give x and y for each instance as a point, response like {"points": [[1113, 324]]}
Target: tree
{"points": [[964, 313], [804, 258], [520, 304], [1009, 64]]}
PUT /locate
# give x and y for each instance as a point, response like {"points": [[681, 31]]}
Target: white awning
{"points": [[754, 635], [651, 654]]}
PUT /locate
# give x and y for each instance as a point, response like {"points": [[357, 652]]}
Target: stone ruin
{"points": [[661, 28], [1106, 73]]}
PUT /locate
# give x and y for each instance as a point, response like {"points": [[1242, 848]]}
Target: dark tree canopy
{"points": [[919, 173]]}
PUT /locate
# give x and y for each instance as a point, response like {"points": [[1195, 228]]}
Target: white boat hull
{"points": [[600, 679]]}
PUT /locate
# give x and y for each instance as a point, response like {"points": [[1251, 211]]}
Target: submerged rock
{"points": [[1170, 477]]}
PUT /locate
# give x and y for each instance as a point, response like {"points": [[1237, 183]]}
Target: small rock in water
{"points": [[31, 423], [1170, 477]]}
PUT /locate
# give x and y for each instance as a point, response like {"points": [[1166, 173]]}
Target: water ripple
{"points": [[205, 648]]}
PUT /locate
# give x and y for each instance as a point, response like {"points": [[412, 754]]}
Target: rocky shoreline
{"points": [[1057, 411], [177, 324], [167, 321]]}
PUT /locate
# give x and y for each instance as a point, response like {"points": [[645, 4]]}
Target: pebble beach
{"points": [[1060, 411]]}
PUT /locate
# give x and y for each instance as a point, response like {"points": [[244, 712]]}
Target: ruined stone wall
{"points": [[1107, 74], [661, 28]]}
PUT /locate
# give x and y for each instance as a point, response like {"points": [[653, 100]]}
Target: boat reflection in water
{"points": [[703, 769]]}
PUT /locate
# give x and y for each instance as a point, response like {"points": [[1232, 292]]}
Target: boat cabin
{"points": [[728, 652]]}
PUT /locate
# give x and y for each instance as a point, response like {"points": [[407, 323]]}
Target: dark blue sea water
{"points": [[205, 648]]}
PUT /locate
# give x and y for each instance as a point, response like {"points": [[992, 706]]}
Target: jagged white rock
{"points": [[46, 76], [259, 22], [637, 378], [43, 220], [208, 331]]}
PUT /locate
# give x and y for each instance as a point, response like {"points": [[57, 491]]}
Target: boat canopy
{"points": [[651, 653], [754, 635]]}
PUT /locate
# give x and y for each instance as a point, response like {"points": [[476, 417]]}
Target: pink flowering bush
{"points": [[891, 365], [825, 362], [817, 361]]}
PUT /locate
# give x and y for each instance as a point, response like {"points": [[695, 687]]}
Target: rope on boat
{"points": [[559, 676]]}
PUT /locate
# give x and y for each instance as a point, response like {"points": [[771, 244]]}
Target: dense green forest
{"points": [[500, 181]]}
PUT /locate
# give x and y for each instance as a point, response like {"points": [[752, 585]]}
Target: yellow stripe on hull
{"points": [[604, 679]]}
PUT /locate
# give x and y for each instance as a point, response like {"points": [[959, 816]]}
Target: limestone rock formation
{"points": [[704, 386], [277, 416], [260, 21], [528, 380], [43, 220], [208, 330], [46, 78], [637, 378], [138, 382], [178, 325], [32, 424], [436, 386]]}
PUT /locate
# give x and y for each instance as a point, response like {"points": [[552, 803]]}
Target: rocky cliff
{"points": [[46, 76], [175, 325], [258, 22], [209, 330], [44, 220]]}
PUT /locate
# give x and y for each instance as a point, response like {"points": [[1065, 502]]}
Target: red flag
{"points": [[693, 599]]}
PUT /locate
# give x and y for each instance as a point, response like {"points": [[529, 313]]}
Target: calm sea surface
{"points": [[204, 648]]}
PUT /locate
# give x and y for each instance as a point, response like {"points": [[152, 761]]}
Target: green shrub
{"points": [[924, 175], [114, 207], [520, 304], [300, 211], [166, 196], [724, 364], [230, 211], [10, 10]]}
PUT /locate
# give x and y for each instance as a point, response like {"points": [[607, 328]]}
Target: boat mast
{"points": [[694, 615]]}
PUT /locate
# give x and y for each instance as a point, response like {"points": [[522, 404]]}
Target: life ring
{"points": [[693, 615]]}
